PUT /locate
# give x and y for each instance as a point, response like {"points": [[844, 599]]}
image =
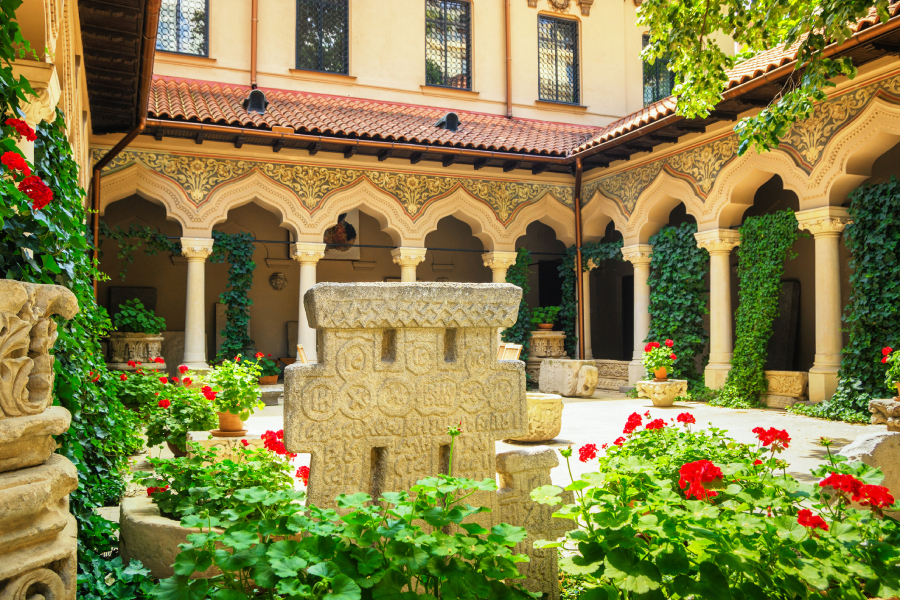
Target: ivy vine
{"points": [[678, 297], [517, 274], [568, 313], [133, 239], [766, 243], [873, 313], [237, 250]]}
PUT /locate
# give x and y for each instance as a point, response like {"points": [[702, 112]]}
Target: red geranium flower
{"points": [[272, 441], [153, 490], [884, 360], [15, 162], [619, 441], [757, 462], [123, 377], [269, 355], [174, 380], [22, 129], [670, 343], [673, 357], [693, 475], [875, 495], [303, 475], [634, 421], [259, 355], [183, 369], [164, 380], [844, 483], [605, 446], [131, 363], [655, 424], [806, 518], [94, 376], [686, 418], [164, 403], [187, 381], [159, 360], [245, 443], [208, 393], [37, 190], [777, 438], [648, 347], [587, 452], [886, 350], [237, 359]]}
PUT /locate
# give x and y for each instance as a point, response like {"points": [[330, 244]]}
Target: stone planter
{"points": [[786, 388], [544, 417], [547, 344], [139, 347], [151, 538], [662, 393]]}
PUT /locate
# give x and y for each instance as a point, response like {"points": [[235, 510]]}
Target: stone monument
{"points": [[568, 378], [39, 535], [544, 344]]}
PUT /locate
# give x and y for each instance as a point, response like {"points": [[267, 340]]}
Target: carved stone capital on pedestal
{"points": [[45, 82], [661, 393], [718, 241], [828, 221], [308, 252], [586, 7], [408, 257], [638, 254], [196, 249], [497, 260]]}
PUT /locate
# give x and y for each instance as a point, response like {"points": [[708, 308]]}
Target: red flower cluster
{"points": [[695, 474], [686, 418], [94, 376], [757, 462], [164, 403], [159, 360], [669, 343], [651, 346], [15, 162], [131, 363], [183, 369], [673, 357], [164, 380], [303, 475], [37, 190], [123, 377], [272, 441], [886, 351], [587, 452], [777, 438], [237, 358], [153, 490], [259, 355], [187, 381], [634, 421], [867, 495], [619, 441], [208, 393], [245, 443], [655, 424], [806, 518], [22, 129]]}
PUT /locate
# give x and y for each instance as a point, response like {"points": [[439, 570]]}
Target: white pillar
{"points": [[719, 243], [499, 263], [196, 251], [308, 254], [586, 298], [639, 256], [826, 225], [408, 259]]}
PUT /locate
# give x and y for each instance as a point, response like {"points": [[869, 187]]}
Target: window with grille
{"points": [[558, 60], [184, 27], [323, 28], [448, 46], [658, 79]]}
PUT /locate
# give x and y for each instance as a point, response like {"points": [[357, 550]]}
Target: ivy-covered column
{"points": [[719, 243], [196, 251], [826, 225], [408, 259], [639, 256], [308, 254]]}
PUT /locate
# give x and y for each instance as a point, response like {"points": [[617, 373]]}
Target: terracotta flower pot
{"points": [[230, 422], [268, 380], [897, 397], [176, 452], [661, 374], [545, 326]]}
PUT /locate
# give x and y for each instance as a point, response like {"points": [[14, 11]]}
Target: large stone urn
{"points": [[543, 344], [139, 347], [544, 417], [662, 393]]}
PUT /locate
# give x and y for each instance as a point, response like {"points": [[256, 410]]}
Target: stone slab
{"points": [[269, 394], [662, 393], [568, 378], [27, 441]]}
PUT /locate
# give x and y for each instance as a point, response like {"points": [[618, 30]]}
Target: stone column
{"points": [[308, 254], [826, 225], [639, 256], [499, 263], [196, 251], [719, 243], [42, 107], [408, 259], [586, 298]]}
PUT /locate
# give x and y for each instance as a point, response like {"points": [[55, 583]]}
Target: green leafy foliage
{"points": [[237, 249], [237, 386], [135, 238], [595, 252], [688, 34], [545, 315], [133, 317], [178, 409], [676, 514], [766, 243], [101, 579], [871, 317], [678, 297], [658, 355], [520, 333], [268, 367]]}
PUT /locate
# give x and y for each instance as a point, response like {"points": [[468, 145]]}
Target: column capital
{"points": [[827, 221], [639, 254], [308, 252], [196, 249], [499, 260], [408, 257], [44, 81], [718, 241]]}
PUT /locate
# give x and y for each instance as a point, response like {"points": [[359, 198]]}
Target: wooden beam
{"points": [[448, 160], [239, 141], [664, 137], [480, 163], [200, 136], [313, 148], [539, 168], [158, 134], [889, 47], [509, 166], [723, 115], [757, 102], [350, 151], [691, 127], [278, 145], [416, 158], [383, 155]]}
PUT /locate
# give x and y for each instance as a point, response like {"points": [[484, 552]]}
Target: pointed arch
{"points": [[136, 179], [549, 211], [655, 203], [597, 214]]}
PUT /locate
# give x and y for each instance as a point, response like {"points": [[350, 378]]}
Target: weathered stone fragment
{"points": [[544, 417], [880, 450], [885, 412], [661, 393], [568, 378], [27, 441]]}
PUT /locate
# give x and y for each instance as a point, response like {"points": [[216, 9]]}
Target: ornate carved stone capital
{"points": [[638, 254], [498, 260], [45, 82], [718, 241], [408, 257], [586, 7], [828, 221], [308, 252], [196, 249]]}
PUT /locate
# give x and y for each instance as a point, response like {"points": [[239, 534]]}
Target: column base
{"points": [[197, 366], [636, 371], [823, 382], [715, 375]]}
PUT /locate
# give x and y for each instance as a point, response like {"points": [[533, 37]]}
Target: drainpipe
{"points": [[148, 51], [508, 64], [578, 267], [254, 20]]}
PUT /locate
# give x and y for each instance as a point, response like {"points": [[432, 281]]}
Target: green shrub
{"points": [[268, 367], [544, 315], [236, 385], [102, 579], [178, 410], [520, 333], [134, 318]]}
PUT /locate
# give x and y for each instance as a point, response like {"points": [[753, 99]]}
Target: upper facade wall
{"points": [[387, 56]]}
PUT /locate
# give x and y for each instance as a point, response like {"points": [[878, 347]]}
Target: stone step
{"points": [[271, 394]]}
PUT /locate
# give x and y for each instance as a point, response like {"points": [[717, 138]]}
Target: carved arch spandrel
{"points": [[136, 179], [655, 203], [597, 214], [549, 211]]}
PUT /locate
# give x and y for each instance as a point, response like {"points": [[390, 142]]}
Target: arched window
{"points": [[448, 44], [323, 36], [558, 60], [184, 27]]}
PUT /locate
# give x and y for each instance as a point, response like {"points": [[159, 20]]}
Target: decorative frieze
{"points": [[786, 388], [828, 221], [139, 347], [639, 254], [547, 344], [718, 241], [885, 412]]}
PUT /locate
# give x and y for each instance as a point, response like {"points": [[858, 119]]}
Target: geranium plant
{"points": [[672, 513], [236, 386], [545, 315], [134, 318], [179, 409], [140, 389], [891, 358], [658, 356], [268, 367]]}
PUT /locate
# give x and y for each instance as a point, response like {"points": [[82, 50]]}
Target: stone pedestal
{"points": [[786, 388], [886, 412], [544, 417], [569, 378], [139, 347], [662, 393], [544, 344], [270, 394], [38, 535]]}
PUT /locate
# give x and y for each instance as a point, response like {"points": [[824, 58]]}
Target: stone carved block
{"points": [[661, 393], [612, 374], [885, 412], [568, 378], [522, 471], [547, 344], [38, 536], [544, 417], [139, 347], [786, 388], [533, 368]]}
